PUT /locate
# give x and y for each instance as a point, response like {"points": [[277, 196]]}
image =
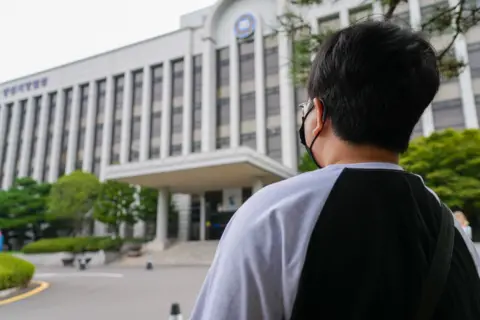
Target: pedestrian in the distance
{"points": [[462, 219], [359, 238]]}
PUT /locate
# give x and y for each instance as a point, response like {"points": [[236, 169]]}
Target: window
{"points": [[52, 100], [223, 111], [274, 143], [223, 143], [66, 105], [197, 146], [117, 111], [247, 106], [271, 61], [249, 140], [137, 88], [177, 74], [37, 101], [176, 150], [247, 61], [223, 67], [197, 94], [177, 119], [474, 59], [81, 126], [157, 83], [156, 123], [448, 114], [98, 135], [273, 101]]}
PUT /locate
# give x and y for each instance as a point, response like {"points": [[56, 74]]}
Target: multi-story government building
{"points": [[207, 112]]}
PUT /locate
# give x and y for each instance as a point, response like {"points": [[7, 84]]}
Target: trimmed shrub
{"points": [[14, 272], [73, 245]]}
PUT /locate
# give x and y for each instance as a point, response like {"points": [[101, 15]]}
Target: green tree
{"points": [[442, 20], [449, 162], [115, 205], [72, 197], [306, 163], [22, 209], [147, 211]]}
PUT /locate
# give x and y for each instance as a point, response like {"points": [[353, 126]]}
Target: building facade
{"points": [[207, 112]]}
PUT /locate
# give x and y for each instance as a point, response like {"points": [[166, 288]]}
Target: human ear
{"points": [[319, 110]]}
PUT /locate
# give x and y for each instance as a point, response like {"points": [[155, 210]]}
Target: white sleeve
{"points": [[244, 281]]}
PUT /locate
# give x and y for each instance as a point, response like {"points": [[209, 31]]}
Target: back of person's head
{"points": [[375, 80]]}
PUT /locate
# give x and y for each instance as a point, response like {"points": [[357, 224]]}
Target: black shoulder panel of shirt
{"points": [[371, 248]]}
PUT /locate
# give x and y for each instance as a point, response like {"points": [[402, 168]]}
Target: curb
{"points": [[42, 285], [8, 292]]}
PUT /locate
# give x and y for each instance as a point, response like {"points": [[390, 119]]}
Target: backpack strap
{"points": [[434, 284]]}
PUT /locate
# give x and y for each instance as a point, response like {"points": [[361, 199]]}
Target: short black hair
{"points": [[375, 79]]}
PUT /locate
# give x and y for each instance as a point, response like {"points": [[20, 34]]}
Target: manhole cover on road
{"points": [[78, 275]]}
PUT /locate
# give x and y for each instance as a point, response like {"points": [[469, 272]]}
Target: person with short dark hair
{"points": [[359, 238]]}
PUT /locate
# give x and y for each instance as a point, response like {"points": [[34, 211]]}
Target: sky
{"points": [[41, 34]]}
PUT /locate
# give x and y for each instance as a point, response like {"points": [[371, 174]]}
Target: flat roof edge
{"points": [[217, 158], [95, 56]]}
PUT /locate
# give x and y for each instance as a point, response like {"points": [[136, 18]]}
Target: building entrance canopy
{"points": [[197, 173]]}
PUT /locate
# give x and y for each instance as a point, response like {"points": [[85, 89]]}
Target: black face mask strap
{"points": [[310, 150]]}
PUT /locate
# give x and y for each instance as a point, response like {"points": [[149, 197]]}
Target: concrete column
{"points": [[257, 185], [73, 131], [57, 137], [234, 92], [126, 118], [107, 127], [146, 114], [427, 122], [166, 110], [466, 85], [42, 139], [203, 217], [187, 135], [260, 111], [12, 145], [415, 23], [3, 129], [27, 138], [139, 227], [183, 205], [377, 10], [90, 128], [208, 95], [287, 101], [465, 79], [344, 18], [161, 240]]}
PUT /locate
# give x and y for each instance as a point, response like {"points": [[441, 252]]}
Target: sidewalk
{"points": [[195, 253]]}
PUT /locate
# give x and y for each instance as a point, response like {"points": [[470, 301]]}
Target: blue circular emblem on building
{"points": [[245, 26]]}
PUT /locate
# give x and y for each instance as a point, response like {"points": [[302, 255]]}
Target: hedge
{"points": [[14, 272], [74, 245]]}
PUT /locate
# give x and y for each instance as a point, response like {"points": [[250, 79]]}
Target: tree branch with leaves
{"points": [[444, 20]]}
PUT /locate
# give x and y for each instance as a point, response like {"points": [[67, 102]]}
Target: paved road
{"points": [[105, 293]]}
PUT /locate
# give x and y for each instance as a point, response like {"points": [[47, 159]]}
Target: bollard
{"points": [[82, 264], [149, 265], [175, 313]]}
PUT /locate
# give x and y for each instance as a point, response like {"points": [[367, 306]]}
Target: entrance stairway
{"points": [[192, 253]]}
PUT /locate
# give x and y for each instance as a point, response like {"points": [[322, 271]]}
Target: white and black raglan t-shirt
{"points": [[343, 242]]}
